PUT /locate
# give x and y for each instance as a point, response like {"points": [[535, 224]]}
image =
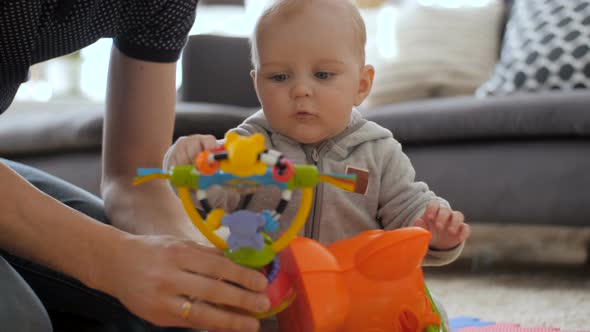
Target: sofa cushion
{"points": [[546, 46], [50, 128], [525, 116], [34, 132], [433, 51]]}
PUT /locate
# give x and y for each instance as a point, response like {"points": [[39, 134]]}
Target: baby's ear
{"points": [[253, 74], [367, 74]]}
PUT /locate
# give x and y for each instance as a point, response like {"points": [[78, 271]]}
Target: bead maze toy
{"points": [[371, 282]]}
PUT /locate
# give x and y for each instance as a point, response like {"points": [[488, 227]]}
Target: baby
{"points": [[310, 74]]}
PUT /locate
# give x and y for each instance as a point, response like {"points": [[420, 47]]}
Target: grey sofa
{"points": [[523, 159]]}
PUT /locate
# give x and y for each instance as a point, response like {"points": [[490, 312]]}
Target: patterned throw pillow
{"points": [[546, 47]]}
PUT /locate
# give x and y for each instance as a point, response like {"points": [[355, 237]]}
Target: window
{"points": [[83, 75]]}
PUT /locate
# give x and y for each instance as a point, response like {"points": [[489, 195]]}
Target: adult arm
{"points": [[35, 226], [138, 130], [151, 275]]}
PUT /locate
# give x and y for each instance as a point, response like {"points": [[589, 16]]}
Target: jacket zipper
{"points": [[316, 210]]}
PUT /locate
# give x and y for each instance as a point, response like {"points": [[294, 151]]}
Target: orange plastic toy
{"points": [[371, 282]]}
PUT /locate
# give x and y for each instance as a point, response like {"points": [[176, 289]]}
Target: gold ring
{"points": [[186, 308]]}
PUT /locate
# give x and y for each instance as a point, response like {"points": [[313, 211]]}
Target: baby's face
{"points": [[310, 74]]}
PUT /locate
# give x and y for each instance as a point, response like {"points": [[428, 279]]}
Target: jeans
{"points": [[25, 285], [20, 309]]}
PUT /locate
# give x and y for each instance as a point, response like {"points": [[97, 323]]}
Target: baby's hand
{"points": [[186, 148], [446, 226]]}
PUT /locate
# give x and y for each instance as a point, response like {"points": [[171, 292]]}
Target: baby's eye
{"points": [[323, 75], [279, 77]]}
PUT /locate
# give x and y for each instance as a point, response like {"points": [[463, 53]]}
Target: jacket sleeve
{"points": [[402, 200]]}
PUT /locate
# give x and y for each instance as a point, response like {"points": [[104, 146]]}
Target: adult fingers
{"points": [[201, 315], [204, 261], [220, 292]]}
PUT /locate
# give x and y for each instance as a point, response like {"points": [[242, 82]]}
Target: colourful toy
{"points": [[371, 282], [244, 165]]}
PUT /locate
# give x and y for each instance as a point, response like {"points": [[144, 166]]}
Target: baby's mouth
{"points": [[304, 115], [303, 112]]}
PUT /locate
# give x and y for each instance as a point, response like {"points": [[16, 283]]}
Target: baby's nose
{"points": [[302, 89]]}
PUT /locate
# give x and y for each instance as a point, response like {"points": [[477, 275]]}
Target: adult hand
{"points": [[172, 282], [448, 227]]}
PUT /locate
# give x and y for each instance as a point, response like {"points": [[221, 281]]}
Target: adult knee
{"points": [[20, 309]]}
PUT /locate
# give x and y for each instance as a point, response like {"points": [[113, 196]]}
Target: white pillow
{"points": [[440, 52]]}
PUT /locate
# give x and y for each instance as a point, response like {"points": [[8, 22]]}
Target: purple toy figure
{"points": [[244, 227]]}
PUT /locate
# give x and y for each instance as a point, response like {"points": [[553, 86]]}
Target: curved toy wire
{"points": [[282, 242], [298, 221], [345, 182], [185, 197]]}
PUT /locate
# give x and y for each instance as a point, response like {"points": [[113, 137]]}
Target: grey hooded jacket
{"points": [[389, 198]]}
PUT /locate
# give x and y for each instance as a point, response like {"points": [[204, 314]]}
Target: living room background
{"points": [[81, 76]]}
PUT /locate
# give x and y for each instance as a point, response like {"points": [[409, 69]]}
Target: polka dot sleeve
{"points": [[32, 31], [155, 30]]}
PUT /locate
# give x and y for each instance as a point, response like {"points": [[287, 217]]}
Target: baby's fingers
{"points": [[431, 211], [186, 148], [443, 218], [422, 224], [456, 220], [194, 144], [463, 232]]}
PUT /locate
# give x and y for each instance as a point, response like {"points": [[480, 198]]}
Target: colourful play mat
{"points": [[472, 324]]}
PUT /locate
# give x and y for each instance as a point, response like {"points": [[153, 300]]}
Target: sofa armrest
{"points": [[43, 132]]}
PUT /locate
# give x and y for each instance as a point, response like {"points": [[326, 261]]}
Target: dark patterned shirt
{"points": [[33, 31]]}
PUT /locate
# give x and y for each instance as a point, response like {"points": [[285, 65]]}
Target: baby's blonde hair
{"points": [[290, 8]]}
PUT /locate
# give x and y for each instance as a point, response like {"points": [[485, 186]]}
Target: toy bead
{"points": [[285, 174], [270, 224], [203, 165]]}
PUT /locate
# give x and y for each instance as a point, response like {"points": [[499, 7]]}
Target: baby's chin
{"points": [[307, 138]]}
